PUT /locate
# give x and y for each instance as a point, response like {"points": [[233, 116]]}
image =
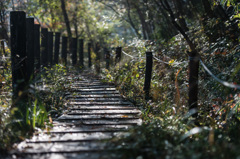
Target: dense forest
{"points": [[192, 109]]}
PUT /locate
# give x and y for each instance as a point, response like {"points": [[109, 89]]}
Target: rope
{"points": [[131, 55], [127, 54], [174, 64], [161, 60], [227, 84]]}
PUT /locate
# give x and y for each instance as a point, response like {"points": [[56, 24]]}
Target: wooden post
{"points": [[50, 49], [37, 47], [148, 74], [74, 51], [118, 54], [30, 47], [107, 57], [18, 52], [2, 64], [64, 49], [193, 83], [89, 56], [56, 48], [97, 62], [44, 47], [3, 48], [81, 57]]}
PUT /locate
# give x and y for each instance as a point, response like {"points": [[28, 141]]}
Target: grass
{"points": [[42, 105]]}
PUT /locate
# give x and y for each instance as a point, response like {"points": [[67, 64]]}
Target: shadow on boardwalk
{"points": [[95, 112]]}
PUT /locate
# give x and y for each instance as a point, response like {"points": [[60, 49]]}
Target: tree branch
{"points": [[190, 43]]}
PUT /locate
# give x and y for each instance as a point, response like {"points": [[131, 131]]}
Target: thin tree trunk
{"points": [[180, 15], [131, 22], [207, 8], [66, 19]]}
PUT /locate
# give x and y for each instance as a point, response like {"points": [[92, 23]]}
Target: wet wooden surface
{"points": [[94, 112]]}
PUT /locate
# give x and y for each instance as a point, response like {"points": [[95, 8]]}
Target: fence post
{"points": [[3, 48], [50, 49], [44, 47], [97, 51], [2, 65], [193, 83], [37, 47], [118, 54], [64, 49], [56, 47], [18, 51], [81, 57], [74, 51], [89, 56], [30, 47], [148, 74], [107, 57]]}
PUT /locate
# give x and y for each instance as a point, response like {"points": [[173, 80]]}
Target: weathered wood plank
{"points": [[93, 112], [98, 117], [101, 103], [101, 108], [104, 112]]}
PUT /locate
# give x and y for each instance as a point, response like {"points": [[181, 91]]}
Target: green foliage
{"points": [[45, 102], [172, 138]]}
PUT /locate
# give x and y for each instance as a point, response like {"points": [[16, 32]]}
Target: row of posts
{"points": [[29, 56], [32, 50]]}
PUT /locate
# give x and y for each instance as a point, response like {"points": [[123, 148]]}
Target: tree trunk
{"points": [[131, 21], [180, 15], [207, 8], [66, 19]]}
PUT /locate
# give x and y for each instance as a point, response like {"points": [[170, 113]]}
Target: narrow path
{"points": [[94, 112]]}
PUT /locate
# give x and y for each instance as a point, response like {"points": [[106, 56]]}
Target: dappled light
{"points": [[119, 79]]}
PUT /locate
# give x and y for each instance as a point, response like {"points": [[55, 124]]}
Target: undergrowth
{"points": [[44, 102], [168, 130]]}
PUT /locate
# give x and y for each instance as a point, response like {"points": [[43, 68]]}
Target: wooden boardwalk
{"points": [[94, 112]]}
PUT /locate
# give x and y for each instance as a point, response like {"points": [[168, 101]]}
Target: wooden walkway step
{"points": [[95, 112]]}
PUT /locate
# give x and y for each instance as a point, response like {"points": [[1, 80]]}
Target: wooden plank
{"points": [[57, 148], [93, 96], [106, 112], [106, 122], [98, 117], [93, 88], [73, 137], [92, 92], [96, 100], [74, 155], [100, 103], [101, 108], [91, 85], [62, 128]]}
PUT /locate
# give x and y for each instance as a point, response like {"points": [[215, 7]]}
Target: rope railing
{"points": [[128, 54], [155, 58], [227, 84], [193, 63]]}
